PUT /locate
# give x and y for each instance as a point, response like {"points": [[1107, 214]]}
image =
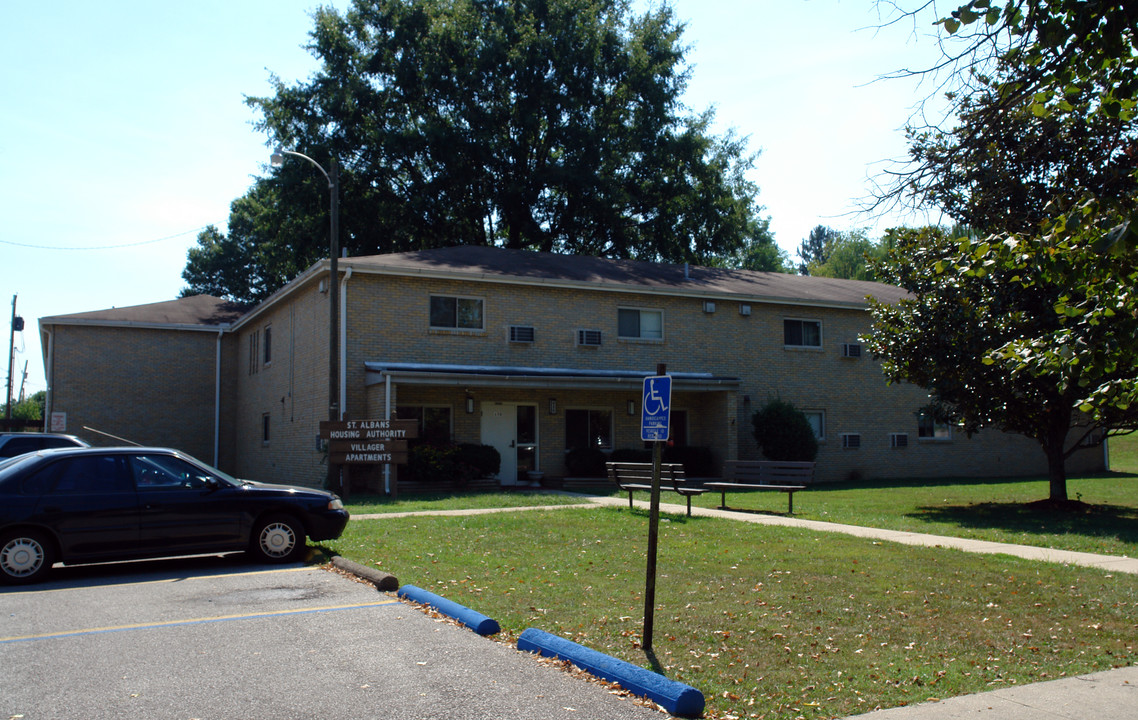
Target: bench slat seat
{"points": [[751, 475], [633, 477]]}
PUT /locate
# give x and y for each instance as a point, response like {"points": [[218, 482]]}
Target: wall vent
{"points": [[851, 350], [589, 337], [708, 306], [744, 310]]}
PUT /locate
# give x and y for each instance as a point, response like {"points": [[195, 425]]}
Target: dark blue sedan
{"points": [[81, 505]]}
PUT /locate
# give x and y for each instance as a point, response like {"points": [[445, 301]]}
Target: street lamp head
{"points": [[277, 158]]}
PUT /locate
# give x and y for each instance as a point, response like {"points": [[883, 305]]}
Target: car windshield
{"points": [[224, 477]]}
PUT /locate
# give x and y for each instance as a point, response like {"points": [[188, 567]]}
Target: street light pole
{"points": [[333, 178]]}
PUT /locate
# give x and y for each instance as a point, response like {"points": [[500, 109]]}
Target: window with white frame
{"points": [[817, 420], [588, 428], [640, 323], [456, 313], [801, 333], [929, 428]]}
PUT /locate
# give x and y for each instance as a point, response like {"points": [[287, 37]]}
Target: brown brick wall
{"points": [[158, 386], [152, 387]]}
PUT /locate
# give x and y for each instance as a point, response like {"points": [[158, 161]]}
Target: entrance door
{"points": [[512, 430]]}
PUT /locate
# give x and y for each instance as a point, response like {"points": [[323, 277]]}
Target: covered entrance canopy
{"points": [[536, 417], [538, 377]]}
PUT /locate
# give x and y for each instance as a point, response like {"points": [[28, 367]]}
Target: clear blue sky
{"points": [[123, 130]]}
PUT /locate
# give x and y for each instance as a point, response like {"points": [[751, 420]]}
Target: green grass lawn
{"points": [[768, 622], [370, 504], [1124, 453], [988, 509]]}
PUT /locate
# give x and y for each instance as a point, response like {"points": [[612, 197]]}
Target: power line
{"points": [[105, 247]]}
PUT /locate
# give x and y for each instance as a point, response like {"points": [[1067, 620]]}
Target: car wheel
{"points": [[278, 539], [25, 557]]}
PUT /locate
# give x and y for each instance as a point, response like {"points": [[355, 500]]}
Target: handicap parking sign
{"points": [[655, 405]]}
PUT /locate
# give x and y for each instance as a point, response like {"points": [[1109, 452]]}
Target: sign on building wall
{"points": [[368, 442], [58, 422]]}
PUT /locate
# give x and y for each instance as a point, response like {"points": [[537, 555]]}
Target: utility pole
{"points": [[17, 324]]}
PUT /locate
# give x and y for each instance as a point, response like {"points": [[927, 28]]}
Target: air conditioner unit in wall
{"points": [[521, 333], [589, 337], [899, 440], [851, 441], [851, 350]]}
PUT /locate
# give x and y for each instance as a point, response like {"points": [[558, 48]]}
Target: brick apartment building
{"points": [[533, 353]]}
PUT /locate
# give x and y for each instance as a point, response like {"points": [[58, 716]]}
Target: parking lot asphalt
{"points": [[214, 638]]}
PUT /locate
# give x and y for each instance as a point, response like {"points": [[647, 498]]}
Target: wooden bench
{"points": [[749, 475], [630, 477]]}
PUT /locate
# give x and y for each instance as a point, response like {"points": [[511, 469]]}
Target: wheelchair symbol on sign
{"points": [[654, 404]]}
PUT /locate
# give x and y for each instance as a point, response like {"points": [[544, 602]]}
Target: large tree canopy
{"points": [[1026, 321], [1068, 50], [553, 125], [1030, 336]]}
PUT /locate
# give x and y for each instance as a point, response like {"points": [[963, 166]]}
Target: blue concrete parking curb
{"points": [[476, 621], [675, 697]]}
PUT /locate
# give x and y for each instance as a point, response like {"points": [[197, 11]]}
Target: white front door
{"points": [[511, 429]]}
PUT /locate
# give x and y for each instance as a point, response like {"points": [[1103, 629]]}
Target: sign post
{"points": [[654, 427]]}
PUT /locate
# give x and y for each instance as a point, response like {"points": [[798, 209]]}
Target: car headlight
{"points": [[335, 504]]}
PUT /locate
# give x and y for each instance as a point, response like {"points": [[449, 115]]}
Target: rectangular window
{"points": [[456, 313], [817, 420], [802, 333], [588, 428], [929, 428], [268, 349], [434, 421], [265, 429], [254, 358], [644, 324]]}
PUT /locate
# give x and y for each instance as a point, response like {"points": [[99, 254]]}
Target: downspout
{"points": [[344, 341], [47, 408], [387, 415], [217, 400]]}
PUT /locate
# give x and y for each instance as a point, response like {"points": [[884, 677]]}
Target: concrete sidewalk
{"points": [[1066, 557], [1112, 695]]}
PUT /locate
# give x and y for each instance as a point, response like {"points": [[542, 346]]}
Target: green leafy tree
{"points": [[1000, 168], [1030, 335], [784, 433], [848, 255], [815, 248], [30, 408], [1066, 49], [552, 125]]}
